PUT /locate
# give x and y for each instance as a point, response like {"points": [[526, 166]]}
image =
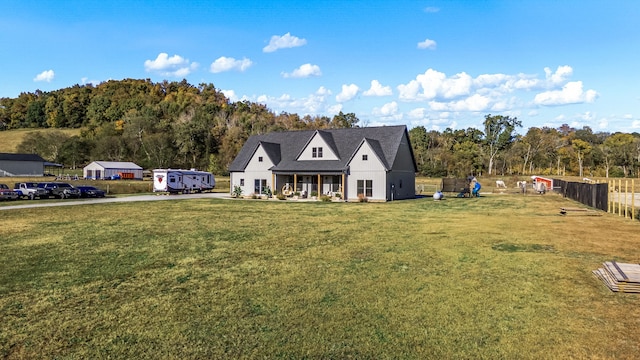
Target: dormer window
{"points": [[365, 157], [259, 158], [316, 152]]}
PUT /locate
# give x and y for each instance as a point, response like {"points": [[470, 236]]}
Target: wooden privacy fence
{"points": [[614, 196], [454, 185], [594, 195], [622, 198]]}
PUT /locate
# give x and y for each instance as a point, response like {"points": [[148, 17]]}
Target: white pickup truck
{"points": [[30, 190]]}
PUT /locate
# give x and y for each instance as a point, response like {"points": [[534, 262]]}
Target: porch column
{"points": [[273, 183], [319, 186], [344, 190], [295, 182]]}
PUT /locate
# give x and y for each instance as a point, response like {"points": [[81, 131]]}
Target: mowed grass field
{"points": [[496, 277]]}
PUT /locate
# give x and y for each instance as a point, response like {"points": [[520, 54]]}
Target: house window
{"points": [[400, 183], [241, 182], [316, 152], [259, 185], [365, 157], [259, 158], [365, 187]]}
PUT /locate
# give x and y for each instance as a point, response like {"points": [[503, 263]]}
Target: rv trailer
{"points": [[182, 181]]}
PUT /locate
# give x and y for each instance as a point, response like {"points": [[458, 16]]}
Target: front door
{"points": [[306, 184]]}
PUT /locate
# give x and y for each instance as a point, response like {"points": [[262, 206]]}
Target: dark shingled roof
{"points": [[284, 147], [20, 157]]}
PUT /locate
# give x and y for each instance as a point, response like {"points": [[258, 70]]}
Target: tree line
{"points": [[156, 125], [176, 124], [501, 150]]}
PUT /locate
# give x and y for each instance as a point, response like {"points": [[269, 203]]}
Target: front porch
{"points": [[306, 185]]}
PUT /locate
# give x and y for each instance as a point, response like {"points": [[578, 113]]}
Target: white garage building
{"points": [[99, 170]]}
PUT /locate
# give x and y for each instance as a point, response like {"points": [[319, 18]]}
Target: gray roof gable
{"points": [[385, 141], [21, 157], [272, 150]]}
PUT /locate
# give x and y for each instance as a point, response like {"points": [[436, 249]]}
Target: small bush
{"points": [[281, 197], [362, 198], [325, 198]]}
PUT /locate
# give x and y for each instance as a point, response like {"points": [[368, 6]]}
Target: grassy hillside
{"points": [[10, 139], [496, 277]]}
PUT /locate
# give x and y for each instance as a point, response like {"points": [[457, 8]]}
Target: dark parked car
{"points": [[90, 191], [60, 190]]}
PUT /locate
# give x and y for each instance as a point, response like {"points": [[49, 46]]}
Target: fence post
{"points": [[619, 199], [609, 197], [626, 198]]}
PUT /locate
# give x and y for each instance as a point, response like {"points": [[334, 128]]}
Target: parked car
{"points": [[30, 190], [90, 191], [8, 194], [60, 190]]}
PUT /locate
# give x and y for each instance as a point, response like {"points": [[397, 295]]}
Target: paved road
{"points": [[45, 203]]}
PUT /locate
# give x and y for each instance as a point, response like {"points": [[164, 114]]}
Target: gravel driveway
{"points": [[45, 203]]}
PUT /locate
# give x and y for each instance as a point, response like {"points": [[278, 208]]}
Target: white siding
{"points": [[317, 142], [255, 169], [370, 169], [107, 171]]}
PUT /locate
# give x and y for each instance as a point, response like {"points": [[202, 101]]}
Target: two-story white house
{"points": [[373, 162]]}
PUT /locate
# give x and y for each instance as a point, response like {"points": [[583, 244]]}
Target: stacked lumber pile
{"points": [[620, 277]]}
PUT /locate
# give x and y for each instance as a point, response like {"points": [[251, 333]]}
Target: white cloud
{"points": [[313, 104], [334, 109], [388, 111], [46, 75], [377, 89], [304, 71], [431, 9], [230, 94], [571, 93], [417, 113], [427, 44], [175, 66], [635, 124], [85, 80], [474, 102], [434, 84], [561, 75], [224, 63], [348, 92], [283, 42], [588, 116], [323, 91], [603, 124]]}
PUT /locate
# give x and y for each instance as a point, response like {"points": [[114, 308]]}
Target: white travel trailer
{"points": [[182, 181]]}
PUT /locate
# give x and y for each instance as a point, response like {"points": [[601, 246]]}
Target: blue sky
{"points": [[437, 64]]}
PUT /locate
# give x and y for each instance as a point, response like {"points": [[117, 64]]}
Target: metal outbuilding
{"points": [[21, 165], [99, 170]]}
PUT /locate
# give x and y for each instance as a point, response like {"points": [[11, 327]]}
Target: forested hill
{"points": [[176, 124], [166, 124]]}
